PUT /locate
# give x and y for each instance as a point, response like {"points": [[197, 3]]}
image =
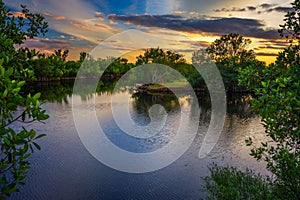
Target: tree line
{"points": [[229, 53]]}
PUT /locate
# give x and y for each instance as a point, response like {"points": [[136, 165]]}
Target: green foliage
{"points": [[171, 59], [168, 58], [157, 55], [231, 47], [16, 106], [118, 66], [54, 67], [277, 101], [291, 28], [109, 67], [13, 32], [230, 183], [252, 75], [230, 55], [24, 26], [15, 145]]}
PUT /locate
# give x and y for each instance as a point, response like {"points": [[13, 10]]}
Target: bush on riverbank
{"points": [[17, 144], [277, 100], [229, 183]]}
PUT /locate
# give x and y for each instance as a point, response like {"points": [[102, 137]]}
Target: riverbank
{"points": [[161, 89]]}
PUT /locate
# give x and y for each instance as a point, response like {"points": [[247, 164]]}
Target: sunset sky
{"points": [[80, 25]]}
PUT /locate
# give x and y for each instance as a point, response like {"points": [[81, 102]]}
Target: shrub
{"points": [[230, 183]]}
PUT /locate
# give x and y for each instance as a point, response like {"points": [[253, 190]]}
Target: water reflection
{"points": [[65, 170], [140, 103], [55, 92], [58, 92], [143, 101]]}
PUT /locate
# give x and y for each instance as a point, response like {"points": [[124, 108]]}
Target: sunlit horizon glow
{"points": [[80, 25]]}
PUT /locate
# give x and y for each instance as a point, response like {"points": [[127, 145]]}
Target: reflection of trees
{"points": [[143, 101], [52, 91], [106, 86], [89, 87], [237, 104], [59, 91]]}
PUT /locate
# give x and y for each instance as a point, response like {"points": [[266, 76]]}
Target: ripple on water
{"points": [[65, 170]]}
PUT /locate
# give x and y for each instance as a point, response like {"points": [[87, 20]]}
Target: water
{"points": [[64, 169]]}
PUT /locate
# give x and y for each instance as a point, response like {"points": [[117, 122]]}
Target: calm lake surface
{"points": [[64, 169]]}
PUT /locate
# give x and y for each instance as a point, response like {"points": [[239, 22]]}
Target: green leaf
{"points": [[16, 90], [6, 141], [9, 72], [5, 93], [36, 146], [37, 105], [40, 136], [2, 71], [25, 148], [21, 83], [37, 96]]}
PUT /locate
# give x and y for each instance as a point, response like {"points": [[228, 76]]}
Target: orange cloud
{"points": [[100, 18], [179, 12], [17, 14], [98, 13], [83, 26], [112, 22], [60, 17], [112, 15], [103, 26]]}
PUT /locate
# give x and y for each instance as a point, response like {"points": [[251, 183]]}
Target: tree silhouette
{"points": [[291, 28], [230, 48], [230, 54]]}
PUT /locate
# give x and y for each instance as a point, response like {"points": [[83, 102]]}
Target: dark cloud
{"points": [[191, 43], [267, 5], [269, 47], [261, 9], [272, 44], [234, 9], [251, 8], [276, 9], [246, 27], [282, 9], [49, 44], [281, 42]]}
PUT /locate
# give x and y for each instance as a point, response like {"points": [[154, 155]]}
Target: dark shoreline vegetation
{"points": [[229, 61], [275, 97]]}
